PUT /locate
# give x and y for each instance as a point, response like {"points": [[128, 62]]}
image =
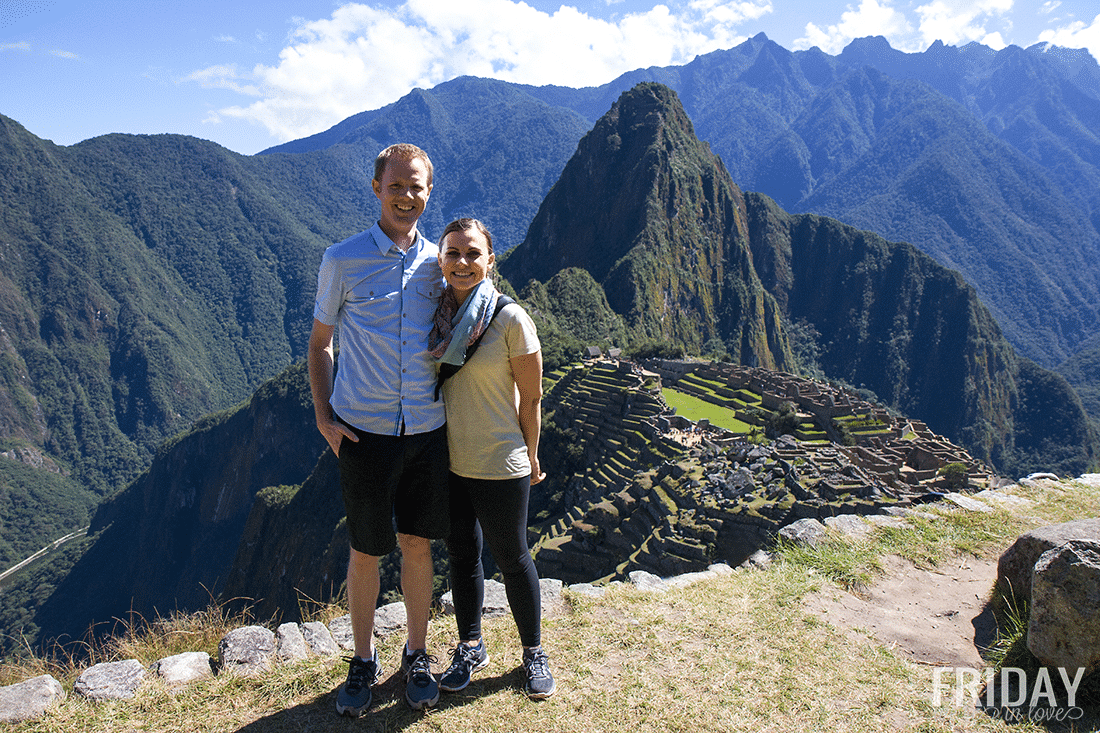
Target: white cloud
{"points": [[364, 57], [1076, 35], [994, 41], [225, 39], [63, 54], [21, 46], [871, 18], [958, 22]]}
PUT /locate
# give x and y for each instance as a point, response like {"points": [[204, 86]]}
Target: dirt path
{"points": [[934, 617]]}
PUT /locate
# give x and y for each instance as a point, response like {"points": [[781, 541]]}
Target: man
{"points": [[379, 414]]}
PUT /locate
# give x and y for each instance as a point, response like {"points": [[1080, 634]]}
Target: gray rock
{"points": [[1015, 565], [849, 525], [806, 531], [758, 559], [30, 699], [319, 639], [550, 591], [179, 669], [110, 680], [290, 643], [882, 520], [247, 651], [340, 628], [1064, 630], [587, 589], [647, 581], [390, 619], [968, 503]]}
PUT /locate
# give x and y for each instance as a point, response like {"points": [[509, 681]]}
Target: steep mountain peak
{"points": [[653, 215], [870, 49]]}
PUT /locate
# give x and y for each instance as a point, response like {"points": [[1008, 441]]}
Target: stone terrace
{"points": [[660, 494]]}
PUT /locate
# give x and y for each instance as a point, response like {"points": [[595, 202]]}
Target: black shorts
{"points": [[394, 482]]}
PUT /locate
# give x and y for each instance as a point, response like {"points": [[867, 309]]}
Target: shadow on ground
{"points": [[388, 711]]}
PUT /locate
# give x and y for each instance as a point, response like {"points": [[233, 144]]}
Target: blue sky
{"points": [[250, 75]]}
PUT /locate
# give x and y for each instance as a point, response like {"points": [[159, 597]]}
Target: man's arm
{"points": [[527, 371], [321, 370]]}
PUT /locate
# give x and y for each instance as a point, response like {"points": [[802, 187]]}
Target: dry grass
{"points": [[734, 653]]}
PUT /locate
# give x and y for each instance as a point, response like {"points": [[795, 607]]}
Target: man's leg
{"points": [[363, 586], [416, 585]]}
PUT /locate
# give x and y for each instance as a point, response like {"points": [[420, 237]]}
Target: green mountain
{"points": [[655, 218], [649, 211], [168, 540]]}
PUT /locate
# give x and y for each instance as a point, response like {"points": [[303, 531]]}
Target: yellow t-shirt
{"points": [[482, 399]]}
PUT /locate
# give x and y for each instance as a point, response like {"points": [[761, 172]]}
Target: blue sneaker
{"points": [[355, 695], [421, 689], [540, 683], [464, 662]]}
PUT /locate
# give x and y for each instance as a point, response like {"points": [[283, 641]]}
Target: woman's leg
{"points": [[501, 510], [464, 545]]}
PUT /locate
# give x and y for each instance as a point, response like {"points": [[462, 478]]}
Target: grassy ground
{"points": [[733, 653], [694, 409]]}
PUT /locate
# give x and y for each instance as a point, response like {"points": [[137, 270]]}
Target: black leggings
{"points": [[499, 510]]}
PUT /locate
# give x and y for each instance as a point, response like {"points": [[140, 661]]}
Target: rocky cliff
{"points": [[651, 213], [167, 541]]}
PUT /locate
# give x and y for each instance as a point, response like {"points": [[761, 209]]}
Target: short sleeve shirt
{"points": [[381, 300], [482, 399]]}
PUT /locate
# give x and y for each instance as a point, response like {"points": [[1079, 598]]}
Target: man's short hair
{"points": [[402, 151]]}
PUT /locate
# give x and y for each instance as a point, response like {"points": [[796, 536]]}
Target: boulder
{"points": [[248, 651], [587, 589], [180, 669], [849, 525], [29, 699], [389, 619], [647, 581], [1064, 629], [319, 639], [808, 531], [340, 628], [290, 642], [1015, 565], [110, 680]]}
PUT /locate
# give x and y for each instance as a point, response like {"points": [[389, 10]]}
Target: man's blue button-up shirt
{"points": [[381, 300]]}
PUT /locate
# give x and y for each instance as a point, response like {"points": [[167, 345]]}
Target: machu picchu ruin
{"points": [[650, 489]]}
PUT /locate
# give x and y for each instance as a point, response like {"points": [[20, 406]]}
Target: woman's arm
{"points": [[527, 371]]}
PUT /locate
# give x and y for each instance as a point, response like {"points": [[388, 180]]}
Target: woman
{"points": [[493, 420]]}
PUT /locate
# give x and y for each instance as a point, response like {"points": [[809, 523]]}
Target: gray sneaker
{"points": [[464, 662], [355, 695], [421, 689], [540, 683]]}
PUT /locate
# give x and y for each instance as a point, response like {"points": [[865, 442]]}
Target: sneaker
{"points": [[540, 683], [355, 696], [421, 689], [464, 662]]}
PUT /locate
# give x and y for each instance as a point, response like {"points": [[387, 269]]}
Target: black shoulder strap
{"points": [[446, 371]]}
